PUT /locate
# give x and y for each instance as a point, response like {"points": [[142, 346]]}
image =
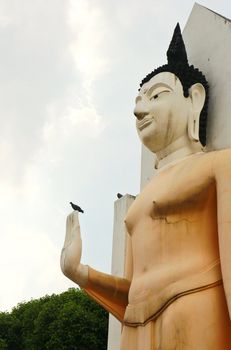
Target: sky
{"points": [[69, 74]]}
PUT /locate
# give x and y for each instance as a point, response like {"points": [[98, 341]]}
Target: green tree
{"points": [[69, 321], [3, 344]]}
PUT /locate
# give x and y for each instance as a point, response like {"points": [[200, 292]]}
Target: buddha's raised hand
{"points": [[72, 251]]}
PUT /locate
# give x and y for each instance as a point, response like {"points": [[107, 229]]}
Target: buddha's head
{"points": [[172, 101]]}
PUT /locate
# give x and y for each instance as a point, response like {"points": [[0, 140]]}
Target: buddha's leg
{"points": [[195, 321]]}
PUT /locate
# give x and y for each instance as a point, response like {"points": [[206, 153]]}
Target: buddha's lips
{"points": [[143, 123]]}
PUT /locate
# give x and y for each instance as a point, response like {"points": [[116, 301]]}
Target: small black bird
{"points": [[119, 195], [76, 207]]}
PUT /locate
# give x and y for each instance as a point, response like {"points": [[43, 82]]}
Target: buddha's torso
{"points": [[173, 228]]}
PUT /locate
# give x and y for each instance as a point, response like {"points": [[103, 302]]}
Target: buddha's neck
{"points": [[176, 150]]}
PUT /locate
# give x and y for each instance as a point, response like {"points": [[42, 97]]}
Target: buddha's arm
{"points": [[109, 291], [222, 169]]}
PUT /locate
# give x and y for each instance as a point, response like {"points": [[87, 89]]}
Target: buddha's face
{"points": [[162, 111]]}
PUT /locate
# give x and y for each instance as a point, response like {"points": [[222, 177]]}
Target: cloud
{"points": [[76, 117], [6, 16], [35, 69], [5, 21], [29, 266], [88, 31], [54, 144]]}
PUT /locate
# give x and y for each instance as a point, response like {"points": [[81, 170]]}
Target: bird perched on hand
{"points": [[76, 207], [119, 195]]}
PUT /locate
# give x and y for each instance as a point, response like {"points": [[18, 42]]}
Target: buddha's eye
{"points": [[154, 97]]}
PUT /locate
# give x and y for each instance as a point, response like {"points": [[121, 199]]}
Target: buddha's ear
{"points": [[197, 96]]}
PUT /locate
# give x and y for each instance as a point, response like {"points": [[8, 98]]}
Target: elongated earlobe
{"points": [[193, 126], [197, 95]]}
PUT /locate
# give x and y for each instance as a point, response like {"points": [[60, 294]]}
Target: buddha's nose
{"points": [[141, 109]]}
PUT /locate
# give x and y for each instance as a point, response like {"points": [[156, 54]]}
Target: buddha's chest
{"points": [[182, 192]]}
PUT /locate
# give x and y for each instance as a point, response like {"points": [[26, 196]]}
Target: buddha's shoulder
{"points": [[207, 161], [222, 155], [219, 160]]}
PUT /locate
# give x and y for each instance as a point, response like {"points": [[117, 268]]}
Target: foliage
{"points": [[69, 321]]}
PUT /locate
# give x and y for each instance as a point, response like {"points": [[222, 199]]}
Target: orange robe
{"points": [[180, 229]]}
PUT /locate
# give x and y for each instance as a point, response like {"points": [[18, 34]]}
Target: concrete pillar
{"points": [[207, 37], [120, 265]]}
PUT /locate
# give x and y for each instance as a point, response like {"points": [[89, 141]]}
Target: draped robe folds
{"points": [[180, 288]]}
